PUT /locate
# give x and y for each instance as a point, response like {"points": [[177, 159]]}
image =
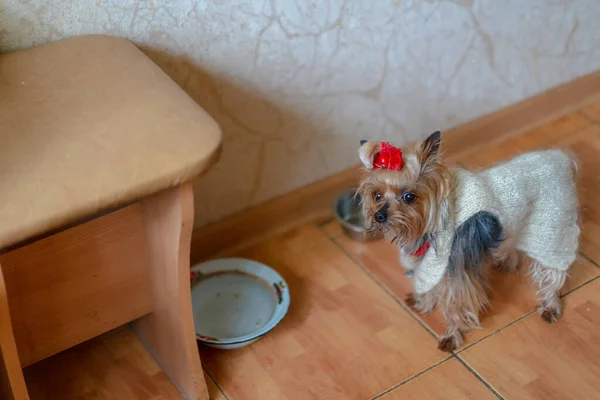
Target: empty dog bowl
{"points": [[236, 301], [348, 212]]}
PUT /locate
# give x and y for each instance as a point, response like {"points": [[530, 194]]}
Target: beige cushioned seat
{"points": [[87, 124]]}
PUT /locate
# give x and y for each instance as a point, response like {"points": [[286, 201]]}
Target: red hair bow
{"points": [[388, 157]]}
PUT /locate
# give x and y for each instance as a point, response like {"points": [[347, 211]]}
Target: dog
{"points": [[452, 225]]}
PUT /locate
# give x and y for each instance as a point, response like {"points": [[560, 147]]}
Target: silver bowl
{"points": [[348, 213]]}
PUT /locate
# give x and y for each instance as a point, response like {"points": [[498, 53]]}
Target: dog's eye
{"points": [[378, 197], [408, 197]]}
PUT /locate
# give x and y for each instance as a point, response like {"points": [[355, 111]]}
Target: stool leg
{"points": [[12, 382], [168, 332]]}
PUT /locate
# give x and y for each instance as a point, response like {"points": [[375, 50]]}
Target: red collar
{"points": [[422, 250]]}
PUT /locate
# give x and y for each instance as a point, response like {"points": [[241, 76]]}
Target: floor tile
{"points": [[512, 294], [380, 258], [332, 228], [283, 245], [461, 146], [534, 360], [592, 112], [448, 381], [111, 366], [213, 390], [343, 338], [545, 136]]}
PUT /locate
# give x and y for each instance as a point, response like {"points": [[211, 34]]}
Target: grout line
{"points": [[522, 317], [309, 246], [580, 286], [329, 235], [464, 363], [324, 222], [233, 251], [490, 387], [415, 376], [383, 287], [589, 259], [594, 122], [582, 114], [215, 382]]}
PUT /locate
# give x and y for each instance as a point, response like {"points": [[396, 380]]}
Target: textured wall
{"points": [[296, 84]]}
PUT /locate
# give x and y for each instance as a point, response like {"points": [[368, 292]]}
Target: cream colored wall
{"points": [[296, 84]]}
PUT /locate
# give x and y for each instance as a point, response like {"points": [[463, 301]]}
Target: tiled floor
{"points": [[349, 335]]}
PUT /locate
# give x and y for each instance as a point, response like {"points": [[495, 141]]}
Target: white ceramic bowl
{"points": [[236, 301]]}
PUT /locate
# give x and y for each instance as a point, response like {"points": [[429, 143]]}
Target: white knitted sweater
{"points": [[534, 197]]}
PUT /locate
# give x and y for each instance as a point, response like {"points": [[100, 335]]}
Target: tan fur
{"points": [[550, 282], [461, 298], [428, 179]]}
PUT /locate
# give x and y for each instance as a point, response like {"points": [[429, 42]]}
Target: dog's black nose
{"points": [[380, 216]]}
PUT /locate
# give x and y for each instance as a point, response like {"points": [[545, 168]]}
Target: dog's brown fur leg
{"points": [[462, 299], [452, 338], [550, 282], [422, 303], [507, 262]]}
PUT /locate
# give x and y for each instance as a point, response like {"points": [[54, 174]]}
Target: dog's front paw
{"points": [[450, 342]]}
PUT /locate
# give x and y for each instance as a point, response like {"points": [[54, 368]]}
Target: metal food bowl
{"points": [[348, 212]]}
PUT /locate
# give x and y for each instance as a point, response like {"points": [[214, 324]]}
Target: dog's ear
{"points": [[367, 152], [429, 149]]}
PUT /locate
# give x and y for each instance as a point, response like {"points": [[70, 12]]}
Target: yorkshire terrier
{"points": [[451, 225]]}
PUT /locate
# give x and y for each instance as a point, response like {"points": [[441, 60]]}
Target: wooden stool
{"points": [[97, 146]]}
